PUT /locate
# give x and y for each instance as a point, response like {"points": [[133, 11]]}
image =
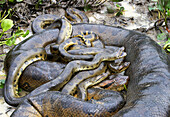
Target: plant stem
{"points": [[2, 34], [6, 15]]}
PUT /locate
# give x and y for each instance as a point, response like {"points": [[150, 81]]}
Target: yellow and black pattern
{"points": [[71, 86], [146, 59], [76, 16], [37, 57], [35, 52], [82, 87]]}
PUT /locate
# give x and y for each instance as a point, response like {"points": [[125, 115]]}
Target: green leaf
{"points": [[87, 8], [159, 43], [18, 33], [167, 42], [2, 82], [160, 7], [168, 12], [122, 9], [11, 41], [11, 1], [7, 24], [2, 55], [117, 5], [27, 32], [152, 8], [1, 86], [164, 4], [161, 36], [2, 1], [19, 0], [125, 87]]}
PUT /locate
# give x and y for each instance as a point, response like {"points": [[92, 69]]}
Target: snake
{"points": [[18, 54], [147, 90], [71, 86], [32, 49], [119, 68], [28, 51], [167, 47], [114, 82], [39, 73], [82, 87], [65, 45], [79, 65], [54, 104], [40, 41], [75, 15], [22, 44]]}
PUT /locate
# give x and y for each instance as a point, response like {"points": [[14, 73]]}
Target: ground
{"points": [[136, 16]]}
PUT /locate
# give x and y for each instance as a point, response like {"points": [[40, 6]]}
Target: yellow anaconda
{"points": [[57, 104], [31, 49], [39, 40], [82, 87], [74, 15], [148, 89], [65, 45], [78, 65], [71, 86]]}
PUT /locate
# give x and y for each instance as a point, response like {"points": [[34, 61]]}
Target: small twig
{"points": [[68, 4], [155, 24], [101, 3]]}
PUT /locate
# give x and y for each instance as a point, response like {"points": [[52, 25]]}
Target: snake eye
{"points": [[123, 54]]}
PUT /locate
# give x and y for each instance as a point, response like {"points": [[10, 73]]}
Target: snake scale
{"points": [[143, 90], [13, 60]]}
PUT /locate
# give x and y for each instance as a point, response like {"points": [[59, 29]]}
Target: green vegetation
{"points": [[117, 10], [2, 2], [2, 82], [120, 10], [163, 8], [38, 4], [7, 24], [125, 87]]}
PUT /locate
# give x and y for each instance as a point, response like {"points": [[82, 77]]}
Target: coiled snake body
{"points": [[110, 36], [34, 45]]}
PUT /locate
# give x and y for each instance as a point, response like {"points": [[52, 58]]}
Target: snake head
{"points": [[121, 52]]}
